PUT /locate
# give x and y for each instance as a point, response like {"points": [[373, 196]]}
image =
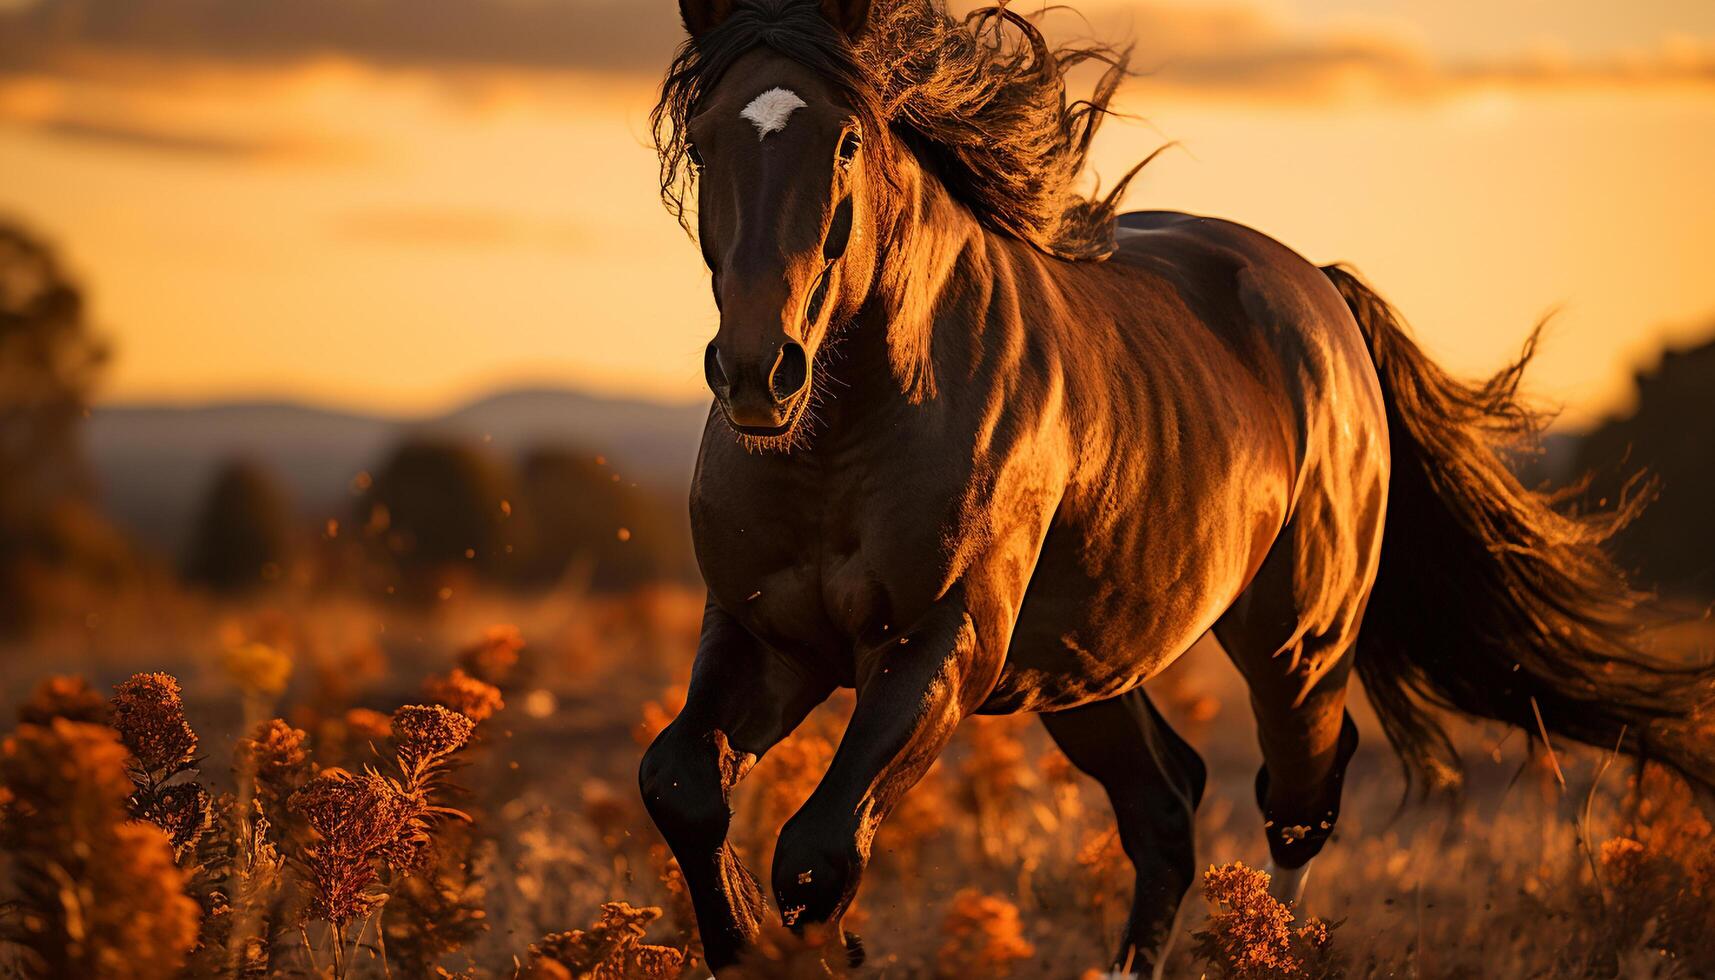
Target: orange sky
{"points": [[399, 229]]}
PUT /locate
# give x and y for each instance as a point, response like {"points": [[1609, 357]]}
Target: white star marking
{"points": [[770, 110]]}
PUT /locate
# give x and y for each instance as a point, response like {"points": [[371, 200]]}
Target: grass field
{"points": [[1003, 861]]}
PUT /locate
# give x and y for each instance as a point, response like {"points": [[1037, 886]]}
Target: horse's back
{"points": [[1278, 287], [1270, 304], [1283, 312]]}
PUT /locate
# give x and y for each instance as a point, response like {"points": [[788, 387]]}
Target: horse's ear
{"points": [[703, 16], [849, 16]]}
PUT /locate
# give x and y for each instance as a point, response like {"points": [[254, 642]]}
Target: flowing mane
{"points": [[981, 102]]}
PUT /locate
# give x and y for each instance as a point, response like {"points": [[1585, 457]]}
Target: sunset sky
{"points": [[399, 204]]}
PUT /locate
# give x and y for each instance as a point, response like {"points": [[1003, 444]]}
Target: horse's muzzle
{"points": [[760, 398]]}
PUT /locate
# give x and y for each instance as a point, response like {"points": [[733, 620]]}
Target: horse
{"points": [[980, 443]]}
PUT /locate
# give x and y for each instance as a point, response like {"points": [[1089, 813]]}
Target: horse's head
{"points": [[783, 178]]}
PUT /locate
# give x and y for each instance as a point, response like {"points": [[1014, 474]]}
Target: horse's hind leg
{"points": [[1293, 644], [1305, 750], [1155, 781]]}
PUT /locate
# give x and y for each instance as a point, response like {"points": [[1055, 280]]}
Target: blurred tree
{"points": [[49, 363], [242, 539], [1670, 436], [584, 518], [440, 511]]}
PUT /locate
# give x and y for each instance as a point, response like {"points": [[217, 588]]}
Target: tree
{"points": [[1670, 436], [440, 512], [584, 516], [49, 363], [243, 533]]}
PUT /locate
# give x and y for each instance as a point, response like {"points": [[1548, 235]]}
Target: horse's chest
{"points": [[828, 568]]}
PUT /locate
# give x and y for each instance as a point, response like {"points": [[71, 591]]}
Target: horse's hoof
{"points": [[1286, 885], [854, 950]]}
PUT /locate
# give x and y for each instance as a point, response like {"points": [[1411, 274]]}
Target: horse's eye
{"points": [[849, 144], [694, 155]]}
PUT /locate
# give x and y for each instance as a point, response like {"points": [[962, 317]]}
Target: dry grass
{"points": [[338, 790]]}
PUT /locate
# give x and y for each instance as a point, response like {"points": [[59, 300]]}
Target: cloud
{"points": [[1240, 52], [137, 136], [601, 35], [138, 118], [1233, 51], [458, 227]]}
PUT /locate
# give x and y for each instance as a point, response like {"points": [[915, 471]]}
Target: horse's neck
{"points": [[937, 276]]}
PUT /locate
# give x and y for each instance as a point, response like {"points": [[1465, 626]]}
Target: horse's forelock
{"points": [[795, 29], [981, 102]]}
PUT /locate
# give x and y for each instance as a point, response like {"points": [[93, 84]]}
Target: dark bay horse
{"points": [[980, 445]]}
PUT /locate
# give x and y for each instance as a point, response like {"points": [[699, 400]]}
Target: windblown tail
{"points": [[1493, 601]]}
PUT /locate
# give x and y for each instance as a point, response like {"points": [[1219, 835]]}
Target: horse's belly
{"points": [[1102, 616], [1053, 665]]}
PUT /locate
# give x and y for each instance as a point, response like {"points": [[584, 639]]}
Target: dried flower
{"points": [[984, 936], [779, 953], [917, 818], [994, 771], [150, 717], [493, 658], [277, 759], [99, 895], [184, 811], [257, 668], [278, 752], [1250, 935], [679, 909], [65, 697], [541, 968], [658, 714], [368, 724], [352, 813], [256, 880], [440, 908], [610, 815], [795, 767], [344, 887], [67, 771], [1622, 862], [428, 734], [611, 949], [475, 699], [358, 818], [1254, 930], [1056, 769]]}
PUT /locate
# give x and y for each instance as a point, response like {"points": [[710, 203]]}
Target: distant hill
{"points": [[154, 461], [1670, 435]]}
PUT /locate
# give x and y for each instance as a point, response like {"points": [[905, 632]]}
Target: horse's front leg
{"points": [[911, 693], [743, 698]]}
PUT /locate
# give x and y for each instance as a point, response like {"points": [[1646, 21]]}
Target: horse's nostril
{"points": [[791, 371], [712, 369]]}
